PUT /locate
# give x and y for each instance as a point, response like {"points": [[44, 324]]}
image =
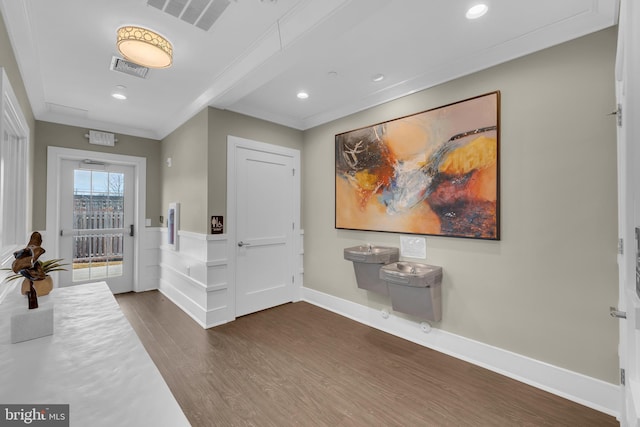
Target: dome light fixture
{"points": [[119, 93], [477, 11], [302, 95], [144, 47]]}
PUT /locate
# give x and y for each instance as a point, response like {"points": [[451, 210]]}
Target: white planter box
{"points": [[31, 324]]}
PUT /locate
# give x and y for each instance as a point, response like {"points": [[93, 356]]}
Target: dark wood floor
{"points": [[299, 365]]}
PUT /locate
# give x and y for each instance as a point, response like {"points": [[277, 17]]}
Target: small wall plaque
{"points": [[217, 225], [413, 247]]}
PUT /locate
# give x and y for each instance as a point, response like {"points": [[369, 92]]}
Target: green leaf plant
{"points": [[48, 266]]}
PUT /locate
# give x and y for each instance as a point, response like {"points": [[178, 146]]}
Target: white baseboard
{"points": [[206, 318], [185, 303], [593, 393]]}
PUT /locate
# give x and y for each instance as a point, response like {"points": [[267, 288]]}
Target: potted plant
{"points": [[42, 287], [36, 282]]}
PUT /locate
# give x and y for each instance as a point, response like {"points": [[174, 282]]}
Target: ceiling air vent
{"points": [[127, 67], [201, 13]]}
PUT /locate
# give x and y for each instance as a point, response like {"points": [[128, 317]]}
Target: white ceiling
{"points": [[259, 54]]}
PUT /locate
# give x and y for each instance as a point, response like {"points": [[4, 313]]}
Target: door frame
{"points": [[55, 156], [233, 144], [628, 99]]}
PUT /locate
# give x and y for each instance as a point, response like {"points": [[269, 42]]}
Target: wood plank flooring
{"points": [[300, 365]]}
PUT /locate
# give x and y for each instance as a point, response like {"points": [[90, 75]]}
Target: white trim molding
{"points": [[195, 277], [150, 259], [593, 393], [15, 173]]}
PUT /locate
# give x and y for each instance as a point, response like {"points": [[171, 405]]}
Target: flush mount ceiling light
{"points": [[377, 78], [477, 11], [144, 47], [302, 95]]}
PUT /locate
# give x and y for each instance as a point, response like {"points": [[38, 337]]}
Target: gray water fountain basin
{"points": [[411, 274], [414, 288], [372, 254], [367, 260]]}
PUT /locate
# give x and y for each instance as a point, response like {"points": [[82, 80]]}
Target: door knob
{"points": [[241, 244]]}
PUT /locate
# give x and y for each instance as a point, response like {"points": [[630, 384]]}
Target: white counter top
{"points": [[94, 362]]}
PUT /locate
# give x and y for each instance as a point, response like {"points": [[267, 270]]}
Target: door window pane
{"points": [[98, 220]]}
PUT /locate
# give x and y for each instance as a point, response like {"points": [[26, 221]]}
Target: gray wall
{"points": [[223, 123], [544, 289], [52, 134], [198, 175], [10, 65], [186, 180]]}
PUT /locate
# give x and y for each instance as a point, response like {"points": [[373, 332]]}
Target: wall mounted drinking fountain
{"points": [[414, 288], [367, 260]]}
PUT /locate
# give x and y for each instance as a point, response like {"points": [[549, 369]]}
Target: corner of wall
{"points": [[195, 277]]}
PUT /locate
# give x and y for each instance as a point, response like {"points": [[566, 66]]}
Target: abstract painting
{"points": [[434, 172]]}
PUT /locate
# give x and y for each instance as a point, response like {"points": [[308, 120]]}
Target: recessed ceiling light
{"points": [[302, 95], [377, 78], [477, 11], [119, 93]]}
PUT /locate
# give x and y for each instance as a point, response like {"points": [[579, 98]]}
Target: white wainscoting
{"points": [[588, 391], [194, 276], [149, 264]]}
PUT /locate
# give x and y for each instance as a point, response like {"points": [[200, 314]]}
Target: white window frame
{"points": [[14, 169], [14, 174]]}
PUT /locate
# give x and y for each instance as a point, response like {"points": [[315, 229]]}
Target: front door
{"points": [[265, 221], [96, 217]]}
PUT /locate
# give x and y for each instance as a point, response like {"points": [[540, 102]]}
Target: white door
{"points": [[96, 222], [628, 98], [265, 221]]}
